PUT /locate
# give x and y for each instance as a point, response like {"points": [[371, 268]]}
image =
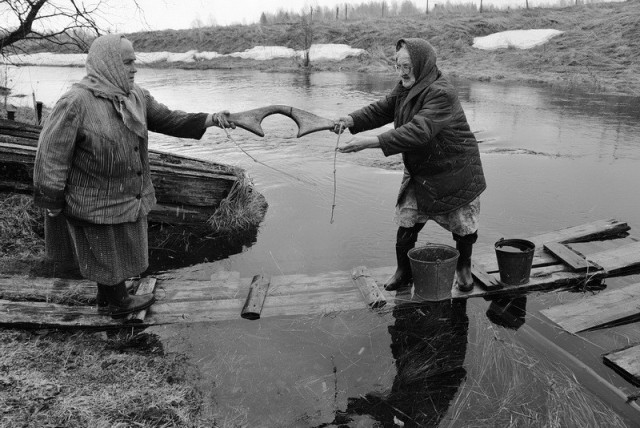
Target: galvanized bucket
{"points": [[433, 267]]}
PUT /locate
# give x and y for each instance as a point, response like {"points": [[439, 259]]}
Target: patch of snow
{"points": [[207, 55], [520, 39], [332, 52], [262, 53]]}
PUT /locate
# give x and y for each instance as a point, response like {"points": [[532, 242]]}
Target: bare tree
{"points": [[60, 22]]}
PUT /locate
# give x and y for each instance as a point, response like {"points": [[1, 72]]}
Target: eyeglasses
{"points": [[405, 68]]}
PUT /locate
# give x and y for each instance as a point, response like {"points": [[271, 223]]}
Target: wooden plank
{"points": [[602, 309], [46, 315], [568, 256], [627, 362], [487, 281], [255, 298], [368, 287], [545, 277], [146, 286], [619, 260], [485, 256]]}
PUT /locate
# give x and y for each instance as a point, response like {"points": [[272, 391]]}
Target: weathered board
{"points": [[484, 255], [627, 362], [255, 298], [368, 287], [204, 295], [618, 260], [568, 256], [145, 286], [608, 307]]}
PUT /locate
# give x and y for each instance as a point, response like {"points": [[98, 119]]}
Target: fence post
{"points": [[427, 11], [346, 12]]}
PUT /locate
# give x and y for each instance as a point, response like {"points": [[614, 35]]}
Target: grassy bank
{"points": [[599, 50]]}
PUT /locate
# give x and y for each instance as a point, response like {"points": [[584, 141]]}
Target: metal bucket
{"points": [[433, 267], [515, 257]]}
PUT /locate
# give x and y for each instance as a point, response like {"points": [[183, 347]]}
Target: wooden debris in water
{"points": [[605, 308], [627, 362], [255, 299], [368, 287], [570, 257]]}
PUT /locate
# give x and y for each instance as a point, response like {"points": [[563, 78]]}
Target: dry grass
{"points": [[94, 380], [21, 227], [242, 209], [507, 386]]}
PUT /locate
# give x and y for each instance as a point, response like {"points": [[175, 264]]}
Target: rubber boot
{"points": [[402, 278], [101, 299], [121, 303], [464, 244], [406, 238]]}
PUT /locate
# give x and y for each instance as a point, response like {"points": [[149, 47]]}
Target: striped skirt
{"points": [[110, 253]]}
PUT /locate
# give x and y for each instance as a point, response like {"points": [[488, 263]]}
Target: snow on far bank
{"points": [[521, 39], [331, 52]]}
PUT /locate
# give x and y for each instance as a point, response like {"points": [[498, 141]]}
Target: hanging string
{"points": [[335, 184], [260, 162]]}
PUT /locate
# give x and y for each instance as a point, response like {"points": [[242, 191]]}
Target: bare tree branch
{"points": [[58, 22]]}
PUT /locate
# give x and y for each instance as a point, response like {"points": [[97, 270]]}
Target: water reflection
{"points": [[428, 343], [508, 312]]}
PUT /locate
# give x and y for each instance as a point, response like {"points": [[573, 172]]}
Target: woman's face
{"points": [[405, 68], [128, 59]]}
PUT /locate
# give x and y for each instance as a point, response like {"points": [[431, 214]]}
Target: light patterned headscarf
{"points": [[107, 78]]}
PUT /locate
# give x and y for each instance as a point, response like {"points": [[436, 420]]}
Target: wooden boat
{"points": [[188, 190]]}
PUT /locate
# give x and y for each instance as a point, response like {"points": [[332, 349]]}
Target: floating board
{"points": [[605, 308]]}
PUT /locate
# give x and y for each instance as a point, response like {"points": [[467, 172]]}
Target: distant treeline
{"points": [[381, 9]]}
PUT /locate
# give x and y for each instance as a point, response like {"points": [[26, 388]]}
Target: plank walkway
{"points": [[209, 296]]}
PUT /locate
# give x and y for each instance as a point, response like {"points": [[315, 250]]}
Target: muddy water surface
{"points": [[552, 159]]}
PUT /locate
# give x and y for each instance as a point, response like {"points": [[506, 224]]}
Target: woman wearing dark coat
{"points": [[443, 175], [92, 165]]}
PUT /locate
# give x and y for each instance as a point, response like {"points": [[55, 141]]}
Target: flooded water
{"points": [[552, 159]]}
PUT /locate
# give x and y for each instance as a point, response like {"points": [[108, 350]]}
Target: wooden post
{"points": [[382, 9], [427, 11], [368, 287], [146, 286], [255, 299], [346, 12], [311, 14], [337, 12], [481, 6], [38, 112]]}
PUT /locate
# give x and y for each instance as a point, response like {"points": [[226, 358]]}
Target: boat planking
{"points": [[188, 190]]}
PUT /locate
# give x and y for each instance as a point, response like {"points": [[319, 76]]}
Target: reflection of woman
{"points": [[443, 175], [92, 164], [429, 344]]}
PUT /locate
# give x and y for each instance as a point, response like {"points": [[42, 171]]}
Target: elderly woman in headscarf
{"points": [[92, 164], [443, 175]]}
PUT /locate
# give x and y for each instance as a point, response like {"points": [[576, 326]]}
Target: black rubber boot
{"points": [[464, 244], [402, 277], [121, 303], [101, 299], [405, 240]]}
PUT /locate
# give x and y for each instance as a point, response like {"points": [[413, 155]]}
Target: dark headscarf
{"points": [[423, 59], [107, 78]]}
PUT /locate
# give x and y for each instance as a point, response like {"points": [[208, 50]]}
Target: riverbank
{"points": [[597, 51]]}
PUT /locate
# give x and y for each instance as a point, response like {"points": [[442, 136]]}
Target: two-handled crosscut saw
{"points": [[251, 120]]}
